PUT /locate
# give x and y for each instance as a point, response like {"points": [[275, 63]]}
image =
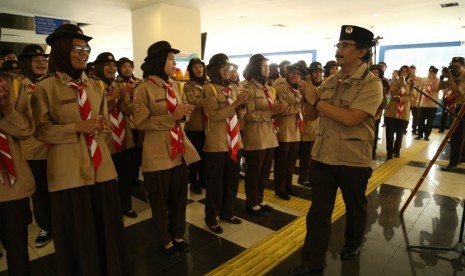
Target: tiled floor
{"points": [[432, 219]]}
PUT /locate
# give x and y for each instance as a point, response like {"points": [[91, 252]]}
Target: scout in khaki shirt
{"points": [[397, 112], [119, 139], [414, 96], [195, 126], [259, 133], [16, 181], [427, 108], [71, 117], [34, 65], [290, 124], [159, 109], [223, 142], [347, 104]]}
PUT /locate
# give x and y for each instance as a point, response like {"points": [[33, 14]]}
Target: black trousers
{"points": [[394, 127], [136, 156], [457, 142], [168, 200], [41, 197], [375, 142], [222, 184], [305, 157], [15, 216], [123, 165], [88, 230], [197, 169], [257, 174], [425, 121], [285, 157], [414, 111], [445, 120], [325, 181]]}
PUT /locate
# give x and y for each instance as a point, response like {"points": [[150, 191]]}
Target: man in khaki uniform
{"points": [[455, 82], [416, 81], [16, 181], [347, 104], [427, 108]]}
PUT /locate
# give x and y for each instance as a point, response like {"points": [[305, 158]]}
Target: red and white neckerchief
{"points": [[7, 168], [177, 144], [401, 104], [270, 104], [119, 125], [232, 128], [428, 90], [300, 117], [86, 114], [31, 87]]}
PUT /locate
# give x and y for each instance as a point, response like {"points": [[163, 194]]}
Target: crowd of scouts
{"points": [[82, 136]]}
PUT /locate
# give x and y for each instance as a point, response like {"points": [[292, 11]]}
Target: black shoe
{"points": [[449, 168], [348, 253], [182, 246], [171, 252], [267, 207], [216, 230], [232, 220], [196, 190], [283, 195], [131, 214], [418, 138], [397, 155], [305, 271], [306, 183], [389, 156], [426, 138], [260, 212], [43, 238]]}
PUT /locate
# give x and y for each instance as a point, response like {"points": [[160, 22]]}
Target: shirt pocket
{"points": [[355, 146]]}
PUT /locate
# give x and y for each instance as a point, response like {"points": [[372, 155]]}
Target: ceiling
{"points": [[259, 26]]}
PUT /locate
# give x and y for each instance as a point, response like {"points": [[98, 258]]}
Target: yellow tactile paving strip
{"points": [[266, 254]]}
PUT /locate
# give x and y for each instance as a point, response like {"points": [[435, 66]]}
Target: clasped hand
{"points": [[182, 110]]}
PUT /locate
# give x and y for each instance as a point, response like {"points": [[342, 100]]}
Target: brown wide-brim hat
{"points": [[67, 30], [160, 47], [30, 51]]}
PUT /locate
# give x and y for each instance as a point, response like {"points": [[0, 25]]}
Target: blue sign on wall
{"points": [[46, 26]]}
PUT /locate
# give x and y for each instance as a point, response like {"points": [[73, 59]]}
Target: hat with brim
{"points": [[460, 60], [357, 34], [104, 57], [315, 66], [296, 66], [218, 59], [433, 69], [67, 30], [194, 61], [158, 48], [10, 65], [330, 64], [32, 50]]}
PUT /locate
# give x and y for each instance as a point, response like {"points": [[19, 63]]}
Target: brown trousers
{"points": [[15, 215], [168, 199]]}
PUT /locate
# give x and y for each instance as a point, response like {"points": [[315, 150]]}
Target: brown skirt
{"points": [[88, 230]]}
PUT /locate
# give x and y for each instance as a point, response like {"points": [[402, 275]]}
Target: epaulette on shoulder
{"points": [[46, 76], [140, 82], [94, 77]]}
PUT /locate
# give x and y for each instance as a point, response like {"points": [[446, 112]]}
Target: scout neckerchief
{"points": [[119, 125], [232, 128], [86, 114], [428, 90], [6, 165], [401, 104], [300, 117], [270, 105], [175, 134]]}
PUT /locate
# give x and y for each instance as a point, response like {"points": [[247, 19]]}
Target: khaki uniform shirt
{"points": [[18, 125], [279, 81], [288, 120], [70, 163], [391, 108], [415, 95], [194, 95], [150, 113], [130, 85], [32, 148], [434, 92], [258, 129], [218, 110], [337, 144], [311, 120], [114, 99]]}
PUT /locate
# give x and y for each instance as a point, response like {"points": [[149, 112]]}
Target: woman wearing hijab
{"points": [[195, 126], [222, 105], [159, 110], [34, 64], [70, 115], [259, 133]]}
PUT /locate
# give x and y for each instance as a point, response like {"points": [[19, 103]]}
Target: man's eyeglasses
{"points": [[38, 59], [79, 49], [343, 45]]}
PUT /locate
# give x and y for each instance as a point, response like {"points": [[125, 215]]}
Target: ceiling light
{"points": [[375, 15], [449, 5]]}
